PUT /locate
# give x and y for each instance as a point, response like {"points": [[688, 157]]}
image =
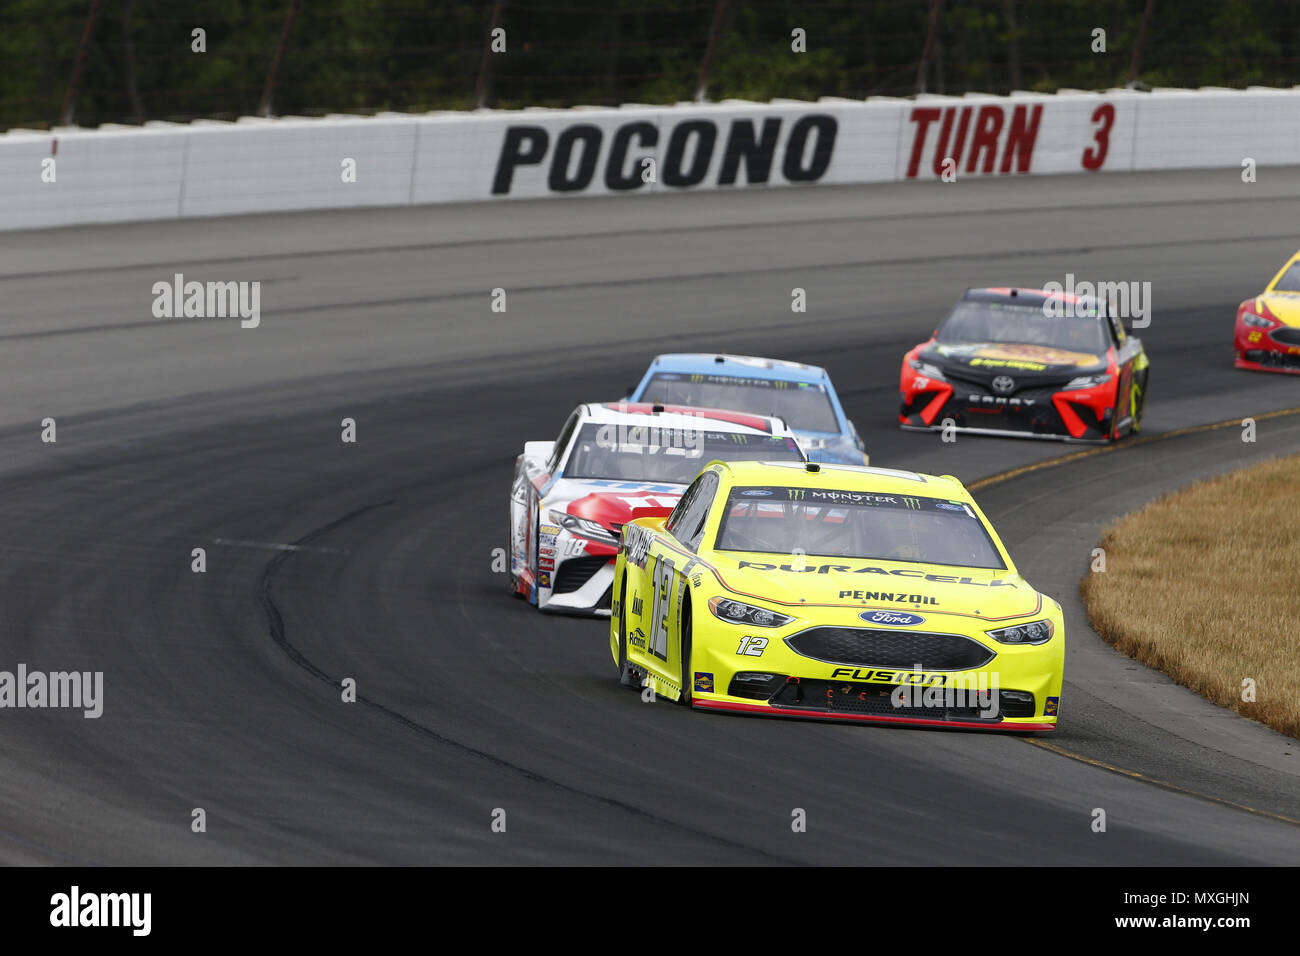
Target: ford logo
{"points": [[891, 618]]}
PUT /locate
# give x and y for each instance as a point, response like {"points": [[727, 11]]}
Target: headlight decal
{"points": [[738, 612], [1086, 381], [582, 526], [1035, 632]]}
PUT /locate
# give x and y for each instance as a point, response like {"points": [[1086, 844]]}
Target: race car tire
{"points": [[510, 552], [628, 675], [688, 687], [1114, 423], [1140, 406]]}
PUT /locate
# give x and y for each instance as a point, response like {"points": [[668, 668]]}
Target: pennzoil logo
{"points": [[891, 596]]}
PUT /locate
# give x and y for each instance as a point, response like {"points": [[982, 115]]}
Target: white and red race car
{"points": [[611, 463]]}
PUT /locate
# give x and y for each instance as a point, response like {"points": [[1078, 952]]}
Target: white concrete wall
{"points": [[208, 169]]}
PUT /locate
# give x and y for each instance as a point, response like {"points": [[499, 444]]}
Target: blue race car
{"points": [[801, 395]]}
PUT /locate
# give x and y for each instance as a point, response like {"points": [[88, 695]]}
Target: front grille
{"points": [[576, 572], [1286, 336], [1025, 381], [1041, 418], [1273, 359], [881, 648]]}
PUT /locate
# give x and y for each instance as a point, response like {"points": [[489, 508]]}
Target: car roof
{"points": [[1016, 295], [887, 481], [749, 366], [641, 414]]}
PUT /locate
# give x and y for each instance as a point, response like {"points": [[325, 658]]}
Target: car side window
{"points": [[1116, 330], [561, 443], [691, 525], [683, 505]]}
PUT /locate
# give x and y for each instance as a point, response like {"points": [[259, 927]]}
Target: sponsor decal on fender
{"points": [[636, 542]]}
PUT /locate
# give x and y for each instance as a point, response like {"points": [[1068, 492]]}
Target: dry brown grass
{"points": [[1204, 584]]}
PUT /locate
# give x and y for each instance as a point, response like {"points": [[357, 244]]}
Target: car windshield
{"points": [[1290, 280], [651, 453], [804, 406], [854, 524], [987, 322]]}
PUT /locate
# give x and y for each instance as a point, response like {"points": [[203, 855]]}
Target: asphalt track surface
{"points": [[222, 689]]}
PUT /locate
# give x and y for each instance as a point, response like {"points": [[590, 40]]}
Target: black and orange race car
{"points": [[1026, 363], [1267, 335]]}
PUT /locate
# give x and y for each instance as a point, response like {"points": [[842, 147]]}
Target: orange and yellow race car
{"points": [[1026, 363], [1267, 336]]}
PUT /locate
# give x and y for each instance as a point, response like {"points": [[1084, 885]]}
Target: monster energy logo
{"points": [[913, 504], [796, 494], [697, 378]]}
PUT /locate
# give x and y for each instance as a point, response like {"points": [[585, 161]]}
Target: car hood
{"points": [[928, 590], [610, 502], [1283, 306], [998, 358]]}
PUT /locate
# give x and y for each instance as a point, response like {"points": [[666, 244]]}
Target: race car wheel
{"points": [[688, 686], [1114, 422], [510, 554], [628, 675], [1138, 405]]}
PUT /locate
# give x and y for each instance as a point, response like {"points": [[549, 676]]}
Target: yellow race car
{"points": [[1266, 337], [835, 592]]}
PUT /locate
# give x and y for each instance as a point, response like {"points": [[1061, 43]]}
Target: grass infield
{"points": [[1204, 584]]}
